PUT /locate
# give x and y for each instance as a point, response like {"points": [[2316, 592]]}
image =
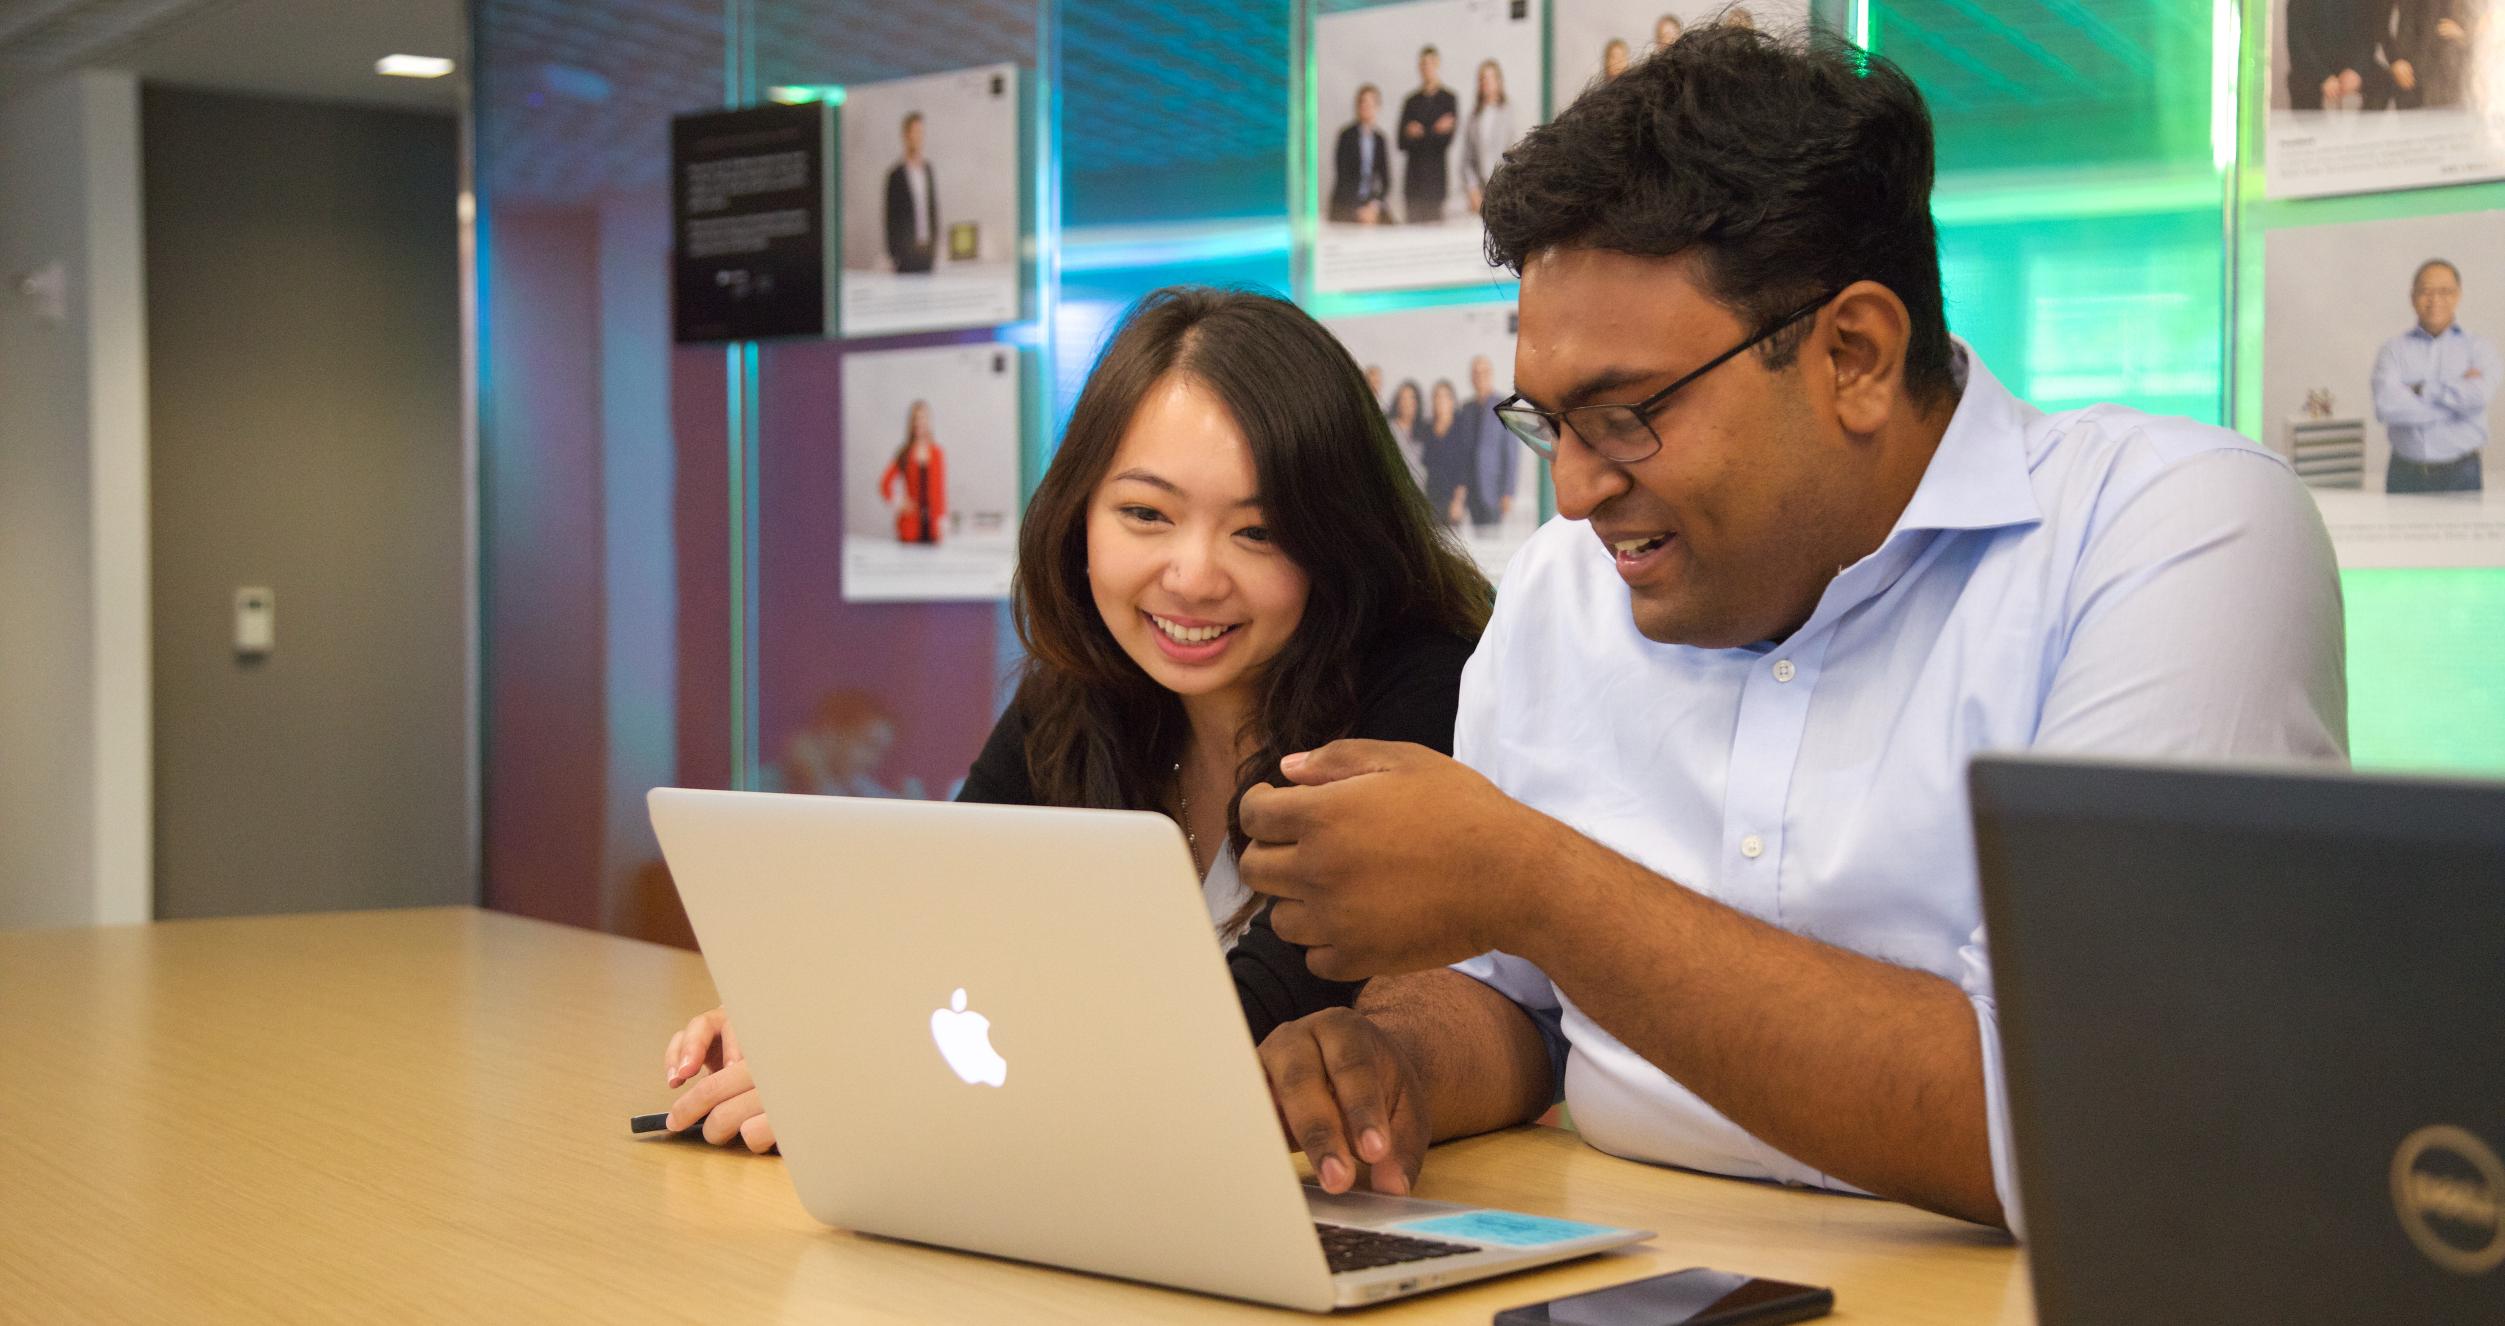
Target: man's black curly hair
{"points": [[1789, 166]]}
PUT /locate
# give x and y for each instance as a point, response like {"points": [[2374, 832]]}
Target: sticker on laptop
{"points": [[1509, 1228]]}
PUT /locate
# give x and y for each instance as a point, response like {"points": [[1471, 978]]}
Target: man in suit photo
{"points": [[1361, 178], [1427, 120], [912, 205]]}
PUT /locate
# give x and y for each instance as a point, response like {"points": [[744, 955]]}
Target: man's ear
{"points": [[1870, 331]]}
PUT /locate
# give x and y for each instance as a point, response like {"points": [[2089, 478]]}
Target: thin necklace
{"points": [[1183, 801]]}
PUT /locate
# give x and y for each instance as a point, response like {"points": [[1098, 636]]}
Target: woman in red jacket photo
{"points": [[922, 471]]}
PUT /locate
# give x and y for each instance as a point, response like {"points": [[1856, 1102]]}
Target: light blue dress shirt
{"points": [[2432, 393], [2095, 581]]}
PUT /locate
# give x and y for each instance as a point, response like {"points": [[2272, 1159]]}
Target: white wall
{"points": [[75, 806]]}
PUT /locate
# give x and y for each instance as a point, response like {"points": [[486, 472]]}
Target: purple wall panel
{"points": [[546, 742], [699, 406]]}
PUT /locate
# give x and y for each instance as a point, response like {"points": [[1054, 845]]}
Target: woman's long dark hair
{"points": [[1336, 498]]}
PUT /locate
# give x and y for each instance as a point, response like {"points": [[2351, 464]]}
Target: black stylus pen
{"points": [[660, 1123]]}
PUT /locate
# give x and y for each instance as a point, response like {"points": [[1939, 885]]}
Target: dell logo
{"points": [[2449, 1190]]}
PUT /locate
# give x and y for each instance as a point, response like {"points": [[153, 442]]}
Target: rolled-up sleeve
{"points": [[1530, 990], [1977, 957], [1475, 744]]}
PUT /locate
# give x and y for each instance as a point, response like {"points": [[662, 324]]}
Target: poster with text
{"points": [[1438, 374], [1596, 39], [2380, 377], [930, 473], [749, 224], [1417, 103], [2366, 95], [931, 176]]}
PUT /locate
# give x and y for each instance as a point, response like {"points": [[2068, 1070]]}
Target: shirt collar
{"points": [[1978, 477], [2450, 329]]}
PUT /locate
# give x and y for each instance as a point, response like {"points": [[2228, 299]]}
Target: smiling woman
{"points": [[1226, 563]]}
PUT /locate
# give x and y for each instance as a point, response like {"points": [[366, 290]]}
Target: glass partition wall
{"points": [[736, 565], [605, 510]]}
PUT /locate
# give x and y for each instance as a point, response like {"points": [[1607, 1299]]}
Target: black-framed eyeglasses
{"points": [[1624, 433]]}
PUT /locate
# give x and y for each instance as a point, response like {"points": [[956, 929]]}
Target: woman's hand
{"points": [[726, 1099]]}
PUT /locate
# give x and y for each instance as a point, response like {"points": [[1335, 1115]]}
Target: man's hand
{"points": [[1444, 123], [2404, 75], [1388, 857], [1349, 1099]]}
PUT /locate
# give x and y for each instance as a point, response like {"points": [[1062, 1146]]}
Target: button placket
{"points": [[1765, 754]]}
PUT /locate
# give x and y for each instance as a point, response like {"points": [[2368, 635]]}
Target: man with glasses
{"points": [[2432, 385], [1703, 862]]}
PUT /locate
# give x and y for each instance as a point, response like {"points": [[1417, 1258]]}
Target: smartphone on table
{"points": [[1695, 1297]]}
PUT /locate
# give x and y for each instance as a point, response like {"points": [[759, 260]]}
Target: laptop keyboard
{"points": [[1348, 1248]]}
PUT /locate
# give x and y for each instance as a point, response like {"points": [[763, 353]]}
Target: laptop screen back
{"points": [[2254, 1030]]}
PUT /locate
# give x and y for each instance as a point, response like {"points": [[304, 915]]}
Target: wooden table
{"points": [[421, 1116]]}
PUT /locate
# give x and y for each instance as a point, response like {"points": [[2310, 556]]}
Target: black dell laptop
{"points": [[2254, 1031]]}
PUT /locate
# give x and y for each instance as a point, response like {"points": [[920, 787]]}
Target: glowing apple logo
{"points": [[965, 1041]]}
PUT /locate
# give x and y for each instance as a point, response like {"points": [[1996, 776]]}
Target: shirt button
{"points": [[1783, 669], [1752, 847]]}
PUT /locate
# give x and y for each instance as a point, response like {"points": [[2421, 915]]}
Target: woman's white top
{"points": [[1225, 891]]}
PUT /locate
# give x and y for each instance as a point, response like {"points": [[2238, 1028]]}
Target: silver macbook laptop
{"points": [[1010, 1030]]}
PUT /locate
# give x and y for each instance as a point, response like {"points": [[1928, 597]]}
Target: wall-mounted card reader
{"points": [[256, 621]]}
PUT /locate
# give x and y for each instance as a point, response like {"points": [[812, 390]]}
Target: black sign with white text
{"points": [[750, 229]]}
